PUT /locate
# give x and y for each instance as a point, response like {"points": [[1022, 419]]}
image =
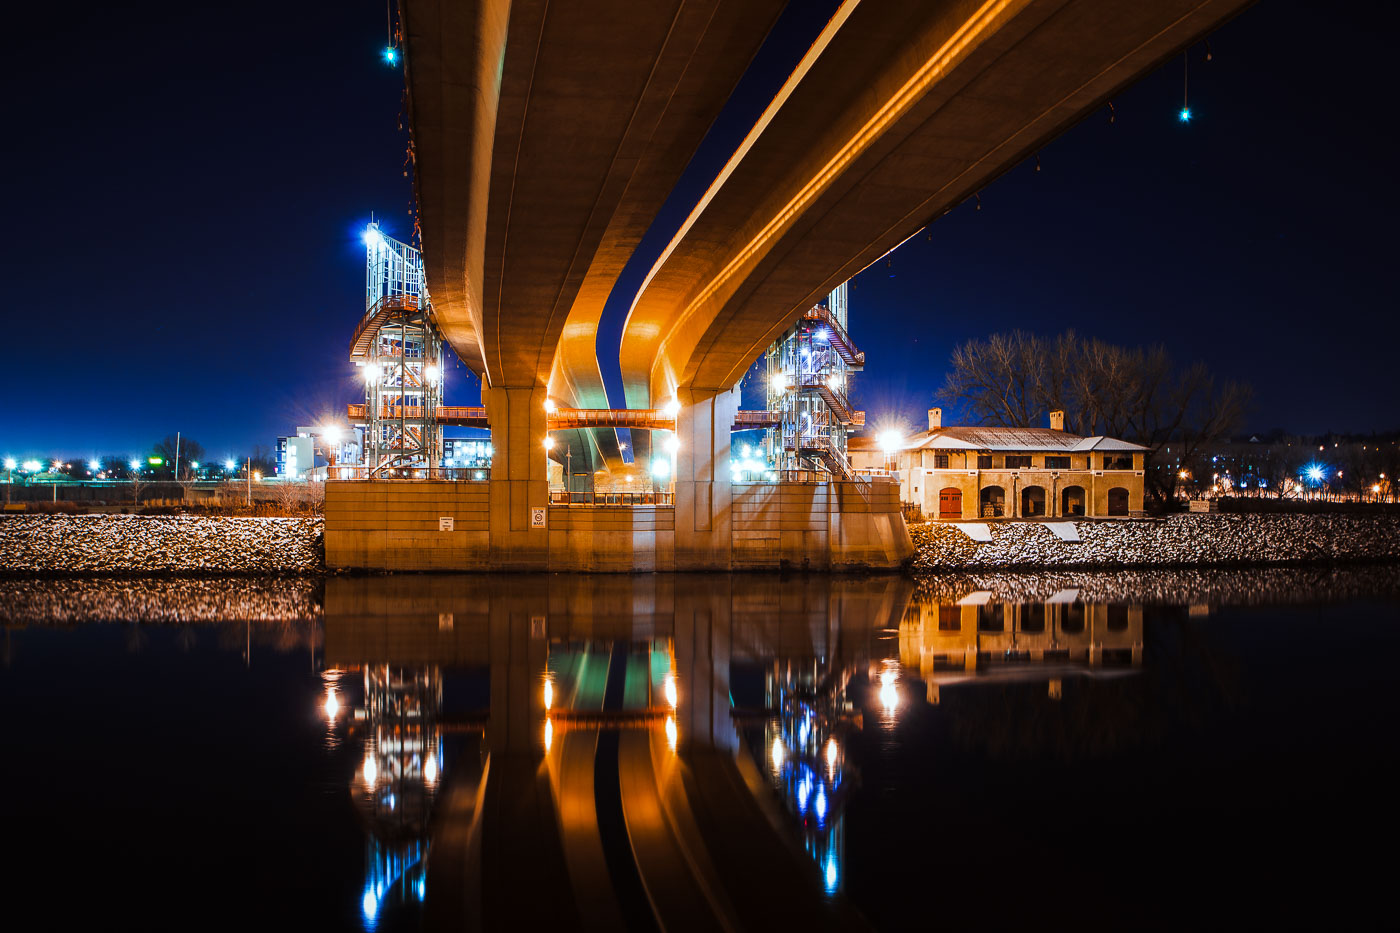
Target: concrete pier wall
{"points": [[447, 526]]}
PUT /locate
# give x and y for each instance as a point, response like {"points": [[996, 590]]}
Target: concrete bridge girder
{"points": [[898, 113]]}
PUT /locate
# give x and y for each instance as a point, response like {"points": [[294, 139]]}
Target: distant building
{"points": [[967, 473], [295, 454], [466, 452]]}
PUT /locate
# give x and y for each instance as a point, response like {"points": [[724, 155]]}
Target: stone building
{"points": [[974, 473]]}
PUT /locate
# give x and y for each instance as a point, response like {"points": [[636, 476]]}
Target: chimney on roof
{"points": [[935, 418], [1057, 420]]}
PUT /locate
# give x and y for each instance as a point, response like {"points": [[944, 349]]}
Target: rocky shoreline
{"points": [[118, 545], [154, 544], [1193, 540]]}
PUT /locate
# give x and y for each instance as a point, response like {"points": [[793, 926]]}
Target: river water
{"points": [[1104, 750]]}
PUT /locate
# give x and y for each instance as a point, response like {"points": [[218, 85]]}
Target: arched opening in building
{"points": [[1072, 501], [1032, 502], [1033, 617], [950, 503], [993, 499], [1072, 618], [1118, 501], [1117, 617], [991, 617]]}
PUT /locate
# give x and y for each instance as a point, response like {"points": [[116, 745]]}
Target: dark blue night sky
{"points": [[187, 185]]}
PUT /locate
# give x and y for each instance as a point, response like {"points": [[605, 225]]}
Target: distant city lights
{"points": [[10, 463], [230, 465], [94, 466]]}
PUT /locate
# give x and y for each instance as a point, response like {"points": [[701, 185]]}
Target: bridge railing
{"points": [[619, 499], [408, 473]]}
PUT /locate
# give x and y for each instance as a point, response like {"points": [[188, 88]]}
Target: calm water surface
{"points": [[663, 752]]}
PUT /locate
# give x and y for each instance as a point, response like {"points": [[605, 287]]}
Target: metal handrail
{"points": [[408, 474], [610, 499]]}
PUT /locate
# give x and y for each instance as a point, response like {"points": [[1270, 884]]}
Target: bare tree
{"points": [[1139, 394]]}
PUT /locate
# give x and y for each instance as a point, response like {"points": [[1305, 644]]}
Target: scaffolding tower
{"points": [[398, 350], [809, 376]]}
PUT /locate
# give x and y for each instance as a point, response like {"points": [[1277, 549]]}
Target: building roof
{"points": [[1014, 439]]}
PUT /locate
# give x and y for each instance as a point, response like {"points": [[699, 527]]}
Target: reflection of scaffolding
{"points": [[809, 370], [806, 759], [403, 761], [399, 351]]}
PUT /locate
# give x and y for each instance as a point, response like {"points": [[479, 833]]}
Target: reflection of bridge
{"points": [[616, 782], [545, 137], [611, 757]]}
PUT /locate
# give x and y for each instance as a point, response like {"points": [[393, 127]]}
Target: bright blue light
{"points": [[370, 905], [821, 804], [1315, 474], [1185, 115], [823, 335], [230, 465], [391, 55], [830, 874], [422, 888]]}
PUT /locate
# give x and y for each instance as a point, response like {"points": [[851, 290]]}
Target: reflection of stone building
{"points": [[944, 640], [962, 473]]}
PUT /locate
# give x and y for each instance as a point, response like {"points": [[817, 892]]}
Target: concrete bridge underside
{"points": [[546, 136], [898, 112]]}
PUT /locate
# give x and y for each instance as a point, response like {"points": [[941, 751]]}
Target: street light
{"points": [[890, 442], [672, 408]]}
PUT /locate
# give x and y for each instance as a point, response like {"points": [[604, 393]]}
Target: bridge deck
{"points": [[563, 419]]}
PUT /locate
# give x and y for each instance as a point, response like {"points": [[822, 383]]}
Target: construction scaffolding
{"points": [[808, 376], [398, 350]]}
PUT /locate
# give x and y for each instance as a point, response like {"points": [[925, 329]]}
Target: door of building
{"points": [[950, 504]]}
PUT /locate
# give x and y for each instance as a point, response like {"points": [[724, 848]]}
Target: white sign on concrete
{"points": [[537, 517], [976, 598], [445, 523], [1065, 531]]}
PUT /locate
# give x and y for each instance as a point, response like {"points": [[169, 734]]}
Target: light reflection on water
{"points": [[861, 703]]}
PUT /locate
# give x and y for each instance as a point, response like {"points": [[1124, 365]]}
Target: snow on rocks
{"points": [[143, 544], [1179, 540]]}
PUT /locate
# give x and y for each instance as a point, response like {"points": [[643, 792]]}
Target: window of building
{"points": [[1057, 463], [1018, 462], [991, 617], [1033, 617], [1072, 618], [1117, 461], [984, 461], [1117, 617], [949, 618], [940, 461]]}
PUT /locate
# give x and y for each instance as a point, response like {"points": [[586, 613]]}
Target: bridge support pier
{"points": [[703, 482], [519, 478]]}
